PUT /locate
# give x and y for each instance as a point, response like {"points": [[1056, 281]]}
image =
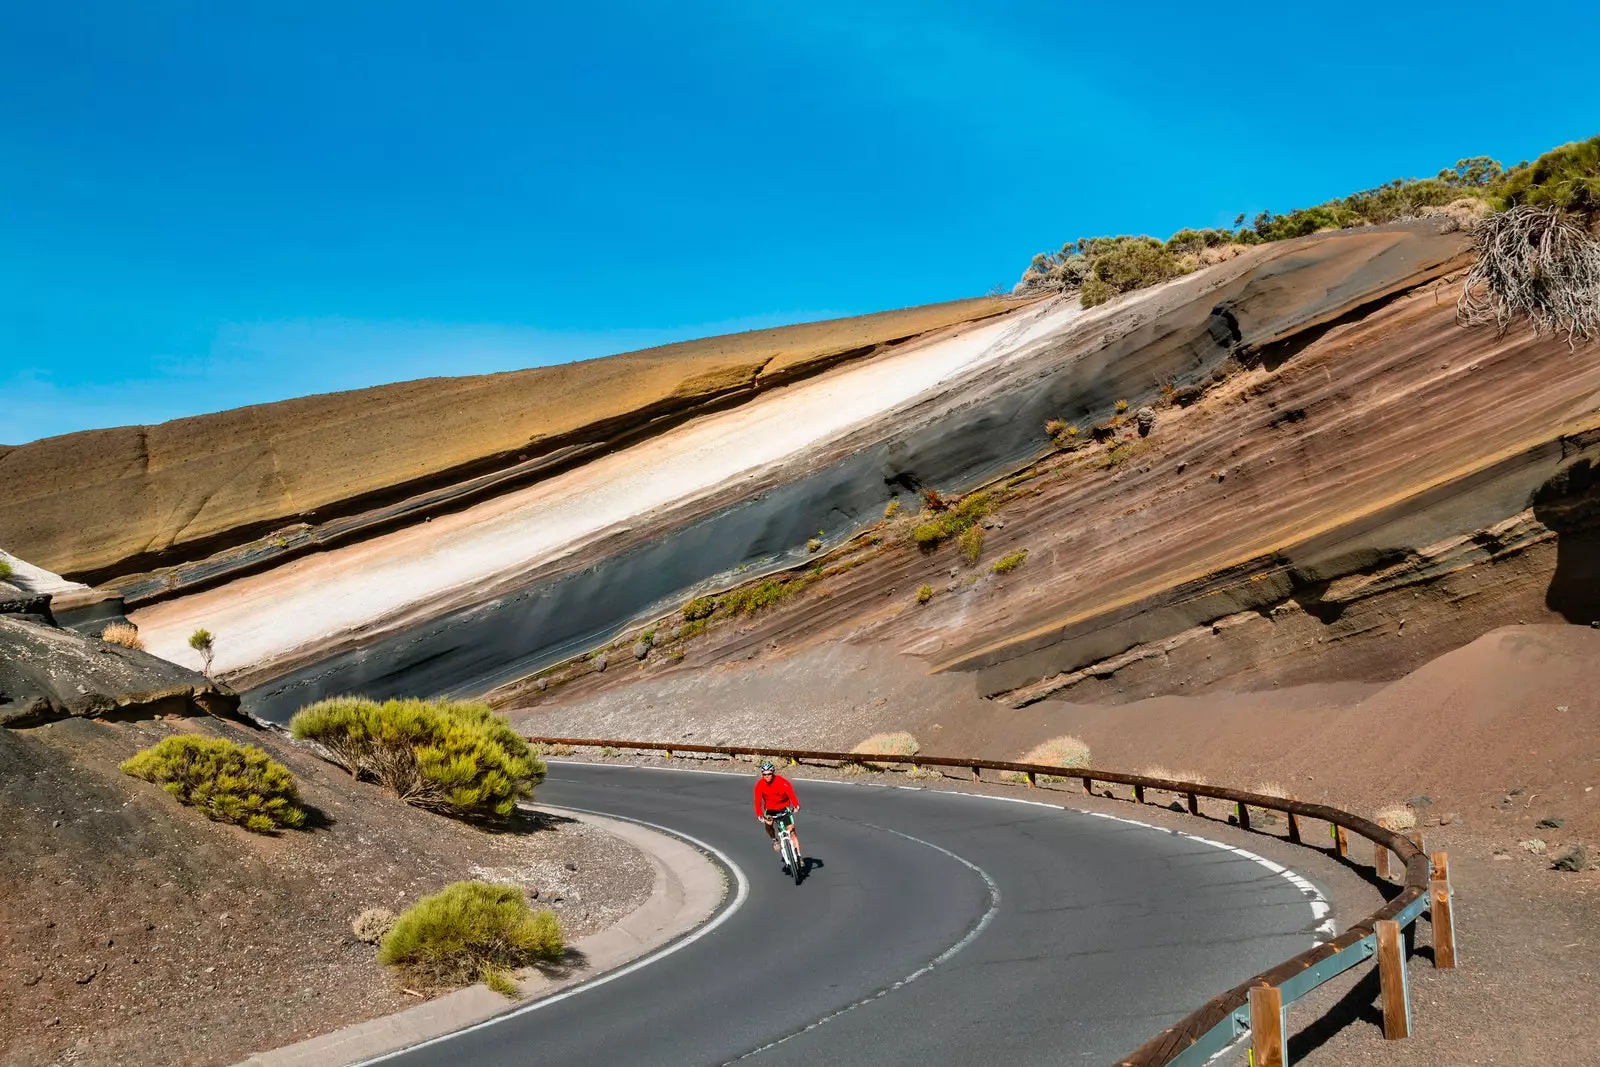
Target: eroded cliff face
{"points": [[107, 503], [1344, 501]]}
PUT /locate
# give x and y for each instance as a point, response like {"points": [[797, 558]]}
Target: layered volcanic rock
{"points": [[1346, 501], [978, 423], [104, 503]]}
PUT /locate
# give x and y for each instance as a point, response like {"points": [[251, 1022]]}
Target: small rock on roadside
{"points": [[1550, 822], [1421, 800], [1575, 858], [641, 649], [600, 663]]}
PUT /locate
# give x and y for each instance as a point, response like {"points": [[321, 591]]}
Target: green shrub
{"points": [[227, 782], [203, 642], [5, 570], [764, 594], [1010, 561], [471, 931], [701, 607], [892, 508], [924, 594], [971, 543], [1567, 178], [1095, 292], [952, 522], [458, 758]]}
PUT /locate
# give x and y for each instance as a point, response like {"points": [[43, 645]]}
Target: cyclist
{"points": [[774, 794]]}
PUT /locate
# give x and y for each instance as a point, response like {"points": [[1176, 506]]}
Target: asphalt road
{"points": [[932, 927]]}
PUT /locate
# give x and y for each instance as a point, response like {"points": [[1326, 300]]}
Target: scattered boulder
{"points": [[1145, 419], [600, 662], [1421, 800], [1550, 822], [641, 649], [1575, 858]]}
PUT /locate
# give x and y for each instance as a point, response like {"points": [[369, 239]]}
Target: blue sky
{"points": [[206, 205]]}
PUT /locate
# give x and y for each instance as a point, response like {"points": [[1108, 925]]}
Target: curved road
{"points": [[1053, 936]]}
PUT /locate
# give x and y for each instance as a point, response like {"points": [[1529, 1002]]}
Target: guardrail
{"points": [[1257, 1005]]}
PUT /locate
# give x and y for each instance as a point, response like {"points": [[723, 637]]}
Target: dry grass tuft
{"points": [[1396, 817], [124, 634], [898, 743], [1064, 752], [372, 925]]}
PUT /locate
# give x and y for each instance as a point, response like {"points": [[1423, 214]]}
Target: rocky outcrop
{"points": [[104, 503], [47, 673]]}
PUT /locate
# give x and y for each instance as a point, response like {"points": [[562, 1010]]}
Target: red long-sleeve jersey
{"points": [[773, 795]]}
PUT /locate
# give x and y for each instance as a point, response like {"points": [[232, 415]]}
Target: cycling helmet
{"points": [[766, 765]]}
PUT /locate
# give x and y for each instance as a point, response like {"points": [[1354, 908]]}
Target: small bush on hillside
{"points": [[227, 782], [1010, 561], [971, 543], [899, 743], [953, 522], [1063, 752], [372, 925], [122, 633], [762, 595], [1054, 427], [458, 758], [701, 607], [924, 593], [932, 500], [204, 643], [892, 508], [471, 931], [5, 570]]}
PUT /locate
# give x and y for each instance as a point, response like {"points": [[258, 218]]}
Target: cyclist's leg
{"points": [[771, 833]]}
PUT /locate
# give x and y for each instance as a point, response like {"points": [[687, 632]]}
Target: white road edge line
{"points": [[740, 896], [971, 935]]}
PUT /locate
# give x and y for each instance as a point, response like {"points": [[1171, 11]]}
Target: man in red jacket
{"points": [[773, 794]]}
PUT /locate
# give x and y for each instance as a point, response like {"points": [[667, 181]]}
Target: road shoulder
{"points": [[688, 890]]}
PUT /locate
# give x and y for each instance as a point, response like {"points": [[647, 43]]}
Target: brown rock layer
{"points": [[95, 504]]}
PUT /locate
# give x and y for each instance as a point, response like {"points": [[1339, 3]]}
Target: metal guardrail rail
{"points": [[1257, 1005]]}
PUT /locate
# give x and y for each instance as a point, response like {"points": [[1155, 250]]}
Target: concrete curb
{"points": [[688, 890]]}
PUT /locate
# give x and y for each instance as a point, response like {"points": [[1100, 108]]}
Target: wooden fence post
{"points": [[1392, 980], [977, 774], [1088, 785], [1244, 815], [1294, 827], [1342, 842], [1444, 924], [1267, 1037], [1380, 861], [1031, 780], [1194, 804], [1138, 794]]}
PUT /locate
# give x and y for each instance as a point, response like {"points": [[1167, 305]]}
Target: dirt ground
{"points": [[134, 931], [1484, 742]]}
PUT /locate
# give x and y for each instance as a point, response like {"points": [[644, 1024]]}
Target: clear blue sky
{"points": [[204, 205]]}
